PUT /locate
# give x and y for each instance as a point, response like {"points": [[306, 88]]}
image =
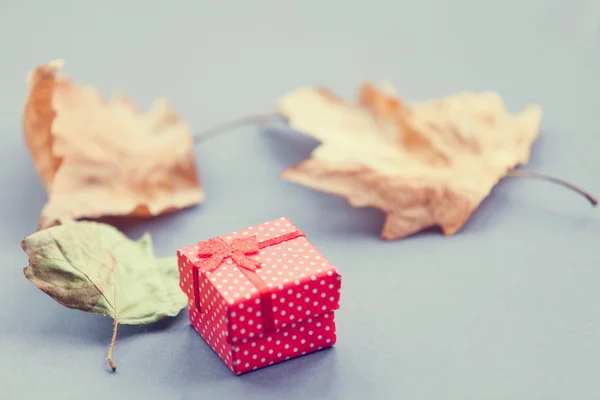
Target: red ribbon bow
{"points": [[214, 251], [217, 250]]}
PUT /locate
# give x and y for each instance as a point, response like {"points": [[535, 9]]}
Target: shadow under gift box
{"points": [[252, 319]]}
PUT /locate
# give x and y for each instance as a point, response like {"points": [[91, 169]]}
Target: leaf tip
{"points": [[27, 272], [56, 64], [50, 68], [386, 236]]}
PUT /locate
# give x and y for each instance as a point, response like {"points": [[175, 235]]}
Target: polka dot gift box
{"points": [[261, 295]]}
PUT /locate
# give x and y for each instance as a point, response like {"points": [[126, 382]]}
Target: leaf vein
{"points": [[62, 252]]}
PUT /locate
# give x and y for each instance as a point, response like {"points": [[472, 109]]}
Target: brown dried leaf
{"points": [[424, 164], [100, 158]]}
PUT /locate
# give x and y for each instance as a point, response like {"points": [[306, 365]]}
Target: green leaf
{"points": [[94, 267]]}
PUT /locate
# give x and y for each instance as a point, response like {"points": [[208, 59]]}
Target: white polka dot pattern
{"points": [[305, 290], [248, 354]]}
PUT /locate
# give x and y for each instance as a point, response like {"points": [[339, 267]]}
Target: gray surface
{"points": [[508, 309]]}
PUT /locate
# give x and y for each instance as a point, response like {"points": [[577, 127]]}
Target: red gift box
{"points": [[261, 295]]}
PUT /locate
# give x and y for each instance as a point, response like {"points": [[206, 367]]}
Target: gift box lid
{"points": [[298, 282]]}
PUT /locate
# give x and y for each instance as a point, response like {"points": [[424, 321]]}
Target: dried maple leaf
{"points": [[100, 158], [93, 267], [424, 164]]}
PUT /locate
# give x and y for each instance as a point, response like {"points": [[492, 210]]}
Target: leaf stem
{"points": [[109, 358], [259, 119], [112, 346], [530, 174]]}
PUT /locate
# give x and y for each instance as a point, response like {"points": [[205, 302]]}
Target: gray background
{"points": [[507, 309]]}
